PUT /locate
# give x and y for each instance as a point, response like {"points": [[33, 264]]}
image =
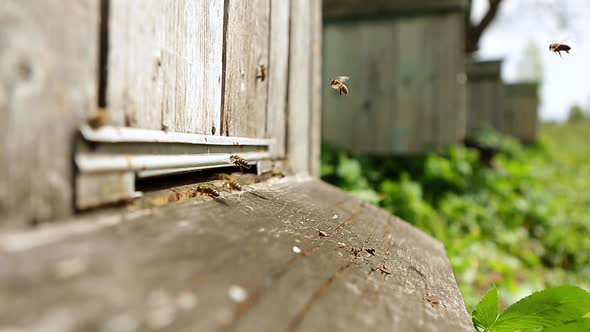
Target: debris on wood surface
{"points": [[203, 266]]}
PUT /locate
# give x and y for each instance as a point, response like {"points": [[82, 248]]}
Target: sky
{"points": [[521, 34]]}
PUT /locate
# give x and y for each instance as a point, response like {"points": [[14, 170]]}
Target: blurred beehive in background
{"points": [[521, 115], [484, 96], [406, 64]]}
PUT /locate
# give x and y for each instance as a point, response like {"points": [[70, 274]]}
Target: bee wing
{"points": [[343, 78]]}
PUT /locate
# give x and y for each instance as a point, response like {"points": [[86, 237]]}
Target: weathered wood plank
{"points": [[165, 64], [234, 264], [299, 93], [246, 48], [373, 8], [278, 70], [409, 90], [316, 88], [48, 83], [423, 133], [449, 84]]}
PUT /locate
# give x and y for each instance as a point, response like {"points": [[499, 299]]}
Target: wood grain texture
{"points": [[48, 84], [246, 49], [276, 116], [315, 125], [414, 94], [373, 8], [165, 64], [450, 80], [228, 265], [299, 93]]}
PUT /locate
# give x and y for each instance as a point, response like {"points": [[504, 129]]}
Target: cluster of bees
{"points": [[229, 181]]}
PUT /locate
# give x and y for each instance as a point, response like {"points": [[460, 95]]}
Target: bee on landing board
{"points": [[230, 182], [208, 190], [338, 84], [559, 47]]}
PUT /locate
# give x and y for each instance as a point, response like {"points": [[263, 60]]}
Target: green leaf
{"points": [[548, 308], [486, 311], [582, 325]]}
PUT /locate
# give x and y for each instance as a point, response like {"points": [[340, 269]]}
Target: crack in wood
{"points": [[300, 316], [259, 292]]}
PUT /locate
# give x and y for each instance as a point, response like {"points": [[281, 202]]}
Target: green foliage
{"points": [[580, 325], [576, 114], [519, 222], [486, 311], [561, 308]]}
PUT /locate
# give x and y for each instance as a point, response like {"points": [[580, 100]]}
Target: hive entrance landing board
{"points": [[253, 261]]}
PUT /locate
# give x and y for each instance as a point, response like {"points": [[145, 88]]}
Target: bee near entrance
{"points": [[116, 164]]}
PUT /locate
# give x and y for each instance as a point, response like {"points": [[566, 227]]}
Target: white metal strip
{"points": [[169, 171], [108, 134], [89, 163]]}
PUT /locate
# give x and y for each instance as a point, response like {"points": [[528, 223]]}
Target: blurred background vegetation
{"points": [[519, 221]]}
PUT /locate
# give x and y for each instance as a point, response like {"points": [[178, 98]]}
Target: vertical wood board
{"points": [[165, 62], [316, 88], [408, 87], [299, 94], [246, 48], [48, 84], [276, 114], [450, 83]]}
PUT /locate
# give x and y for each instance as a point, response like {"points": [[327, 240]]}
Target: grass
{"points": [[522, 224]]}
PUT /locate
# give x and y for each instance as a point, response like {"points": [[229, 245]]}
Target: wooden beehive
{"points": [[406, 65], [174, 87], [485, 108], [521, 110], [178, 84]]}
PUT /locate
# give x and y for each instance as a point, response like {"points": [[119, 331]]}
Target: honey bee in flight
{"points": [[239, 161], [230, 182], [208, 190], [559, 47], [338, 84]]}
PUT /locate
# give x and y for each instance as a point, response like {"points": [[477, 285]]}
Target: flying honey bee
{"points": [[239, 161], [338, 84], [559, 47], [230, 182], [208, 190]]}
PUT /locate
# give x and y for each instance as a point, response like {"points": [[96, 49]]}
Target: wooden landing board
{"points": [[251, 261]]}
